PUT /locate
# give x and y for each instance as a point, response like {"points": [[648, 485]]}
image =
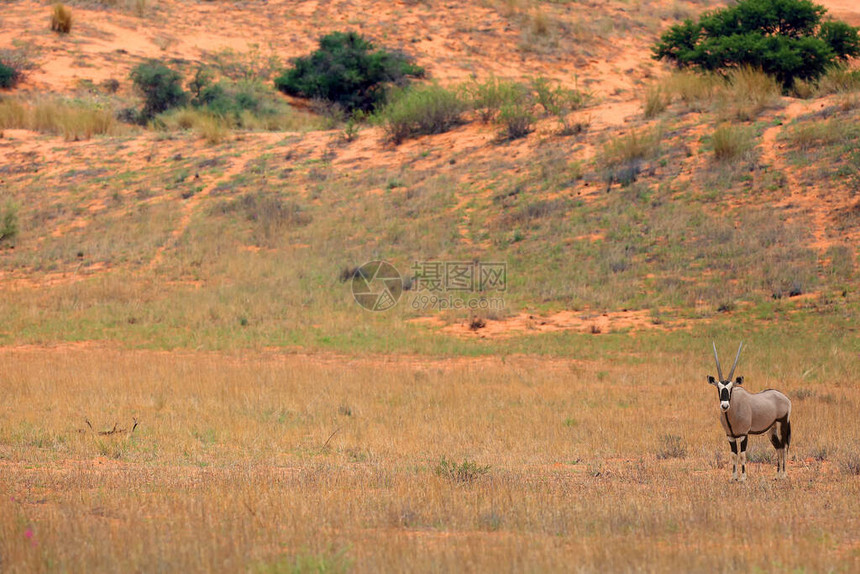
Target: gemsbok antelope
{"points": [[743, 414]]}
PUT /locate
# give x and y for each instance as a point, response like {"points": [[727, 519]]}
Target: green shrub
{"points": [[348, 71], [785, 38], [558, 101], [9, 75], [555, 99], [419, 111], [245, 103], [8, 222], [517, 120], [160, 87], [489, 97]]}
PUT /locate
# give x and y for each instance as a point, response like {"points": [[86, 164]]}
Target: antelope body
{"points": [[743, 414]]}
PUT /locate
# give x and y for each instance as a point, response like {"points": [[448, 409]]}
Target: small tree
{"points": [[348, 71], [785, 38], [160, 87]]}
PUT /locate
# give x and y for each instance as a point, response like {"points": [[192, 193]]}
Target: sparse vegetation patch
{"points": [[8, 222], [422, 110], [731, 142]]}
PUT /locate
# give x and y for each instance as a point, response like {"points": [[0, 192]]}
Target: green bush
{"points": [[420, 111], [489, 97], [348, 71], [517, 119], [8, 222], [9, 75], [231, 100], [160, 87], [785, 38]]}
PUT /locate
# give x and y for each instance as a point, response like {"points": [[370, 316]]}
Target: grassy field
{"points": [[272, 462]]}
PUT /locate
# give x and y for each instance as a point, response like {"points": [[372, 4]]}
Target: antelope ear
{"points": [[739, 381], [712, 380]]}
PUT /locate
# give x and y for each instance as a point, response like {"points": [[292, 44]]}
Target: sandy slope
{"points": [[453, 41]]}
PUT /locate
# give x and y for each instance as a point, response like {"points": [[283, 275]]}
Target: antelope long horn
{"points": [[717, 359], [732, 372]]}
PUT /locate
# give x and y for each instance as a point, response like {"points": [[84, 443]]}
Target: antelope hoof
{"points": [[743, 478]]}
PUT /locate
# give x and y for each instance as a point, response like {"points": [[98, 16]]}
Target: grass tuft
{"points": [[636, 145], [489, 97], [657, 99], [61, 19], [671, 446], [749, 92], [849, 462], [465, 472], [732, 142], [422, 111]]}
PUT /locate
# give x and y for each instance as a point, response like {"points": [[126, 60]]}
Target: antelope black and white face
{"points": [[725, 386], [724, 389]]}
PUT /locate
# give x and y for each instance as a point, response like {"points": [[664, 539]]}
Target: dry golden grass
{"points": [[732, 142], [61, 19], [270, 462], [748, 94], [74, 121], [742, 95], [635, 145]]}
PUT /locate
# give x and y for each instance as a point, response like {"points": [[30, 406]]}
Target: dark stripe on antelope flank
{"points": [[728, 424]]}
